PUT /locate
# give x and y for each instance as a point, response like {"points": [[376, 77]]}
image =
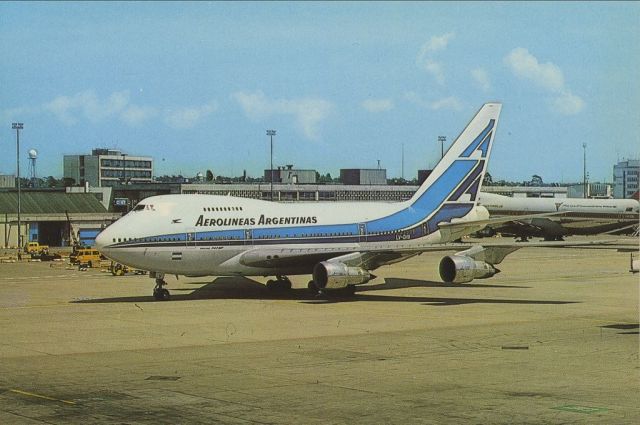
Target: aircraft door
{"points": [[362, 232], [190, 239], [248, 237]]}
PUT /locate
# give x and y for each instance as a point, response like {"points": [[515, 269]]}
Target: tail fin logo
{"points": [[481, 143], [470, 184]]}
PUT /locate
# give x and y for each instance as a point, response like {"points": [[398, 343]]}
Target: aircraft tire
{"points": [[284, 285], [161, 294], [279, 285], [166, 295]]}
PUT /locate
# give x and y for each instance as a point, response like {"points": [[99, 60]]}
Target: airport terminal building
{"points": [[49, 217], [108, 167], [625, 178]]}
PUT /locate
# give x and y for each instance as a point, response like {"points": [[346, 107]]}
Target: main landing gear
{"points": [[282, 283], [159, 292]]}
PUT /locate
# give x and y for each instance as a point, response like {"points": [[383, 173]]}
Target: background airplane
{"points": [[579, 216]]}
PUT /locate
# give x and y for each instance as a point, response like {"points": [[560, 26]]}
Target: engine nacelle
{"points": [[334, 275], [463, 269]]}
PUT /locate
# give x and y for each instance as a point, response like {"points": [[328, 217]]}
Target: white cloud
{"points": [[182, 118], [307, 112], [568, 104], [377, 105], [450, 102], [16, 114], [425, 56], [416, 99], [436, 70], [60, 107], [547, 76], [255, 105], [481, 78], [87, 104], [525, 65], [136, 115], [436, 43]]}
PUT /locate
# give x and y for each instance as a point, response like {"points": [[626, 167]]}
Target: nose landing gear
{"points": [[159, 292]]}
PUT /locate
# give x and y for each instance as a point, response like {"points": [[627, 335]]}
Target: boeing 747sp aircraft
{"points": [[337, 243]]}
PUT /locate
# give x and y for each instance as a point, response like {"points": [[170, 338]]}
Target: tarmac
{"points": [[551, 339]]}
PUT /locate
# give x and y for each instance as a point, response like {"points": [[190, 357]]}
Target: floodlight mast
{"points": [[442, 139], [271, 133], [584, 170], [17, 126]]}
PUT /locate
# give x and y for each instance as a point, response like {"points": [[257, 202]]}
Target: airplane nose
{"points": [[101, 240]]}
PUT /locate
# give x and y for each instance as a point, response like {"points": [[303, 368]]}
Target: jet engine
{"points": [[335, 275], [463, 269]]}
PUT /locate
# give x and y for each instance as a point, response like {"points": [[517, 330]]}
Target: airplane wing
{"points": [[369, 259], [375, 257], [496, 220]]}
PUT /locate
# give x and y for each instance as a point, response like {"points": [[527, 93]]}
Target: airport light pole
{"points": [[124, 168], [124, 178], [584, 170], [402, 162], [271, 133], [17, 126], [442, 139]]}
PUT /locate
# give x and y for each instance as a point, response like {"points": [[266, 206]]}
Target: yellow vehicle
{"points": [[36, 248], [86, 256], [118, 269]]}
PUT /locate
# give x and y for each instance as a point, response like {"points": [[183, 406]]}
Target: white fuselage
{"points": [[578, 216], [499, 204], [206, 234], [225, 235]]}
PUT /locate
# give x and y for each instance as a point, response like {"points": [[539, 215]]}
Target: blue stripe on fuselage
{"points": [[305, 231], [417, 212], [428, 202], [234, 238]]}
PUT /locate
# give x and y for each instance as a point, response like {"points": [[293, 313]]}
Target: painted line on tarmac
{"points": [[52, 277], [581, 409], [41, 396]]}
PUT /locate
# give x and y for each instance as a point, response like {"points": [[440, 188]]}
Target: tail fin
{"points": [[459, 174], [451, 190]]}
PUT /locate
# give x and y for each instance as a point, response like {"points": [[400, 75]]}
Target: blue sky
{"points": [[195, 85]]}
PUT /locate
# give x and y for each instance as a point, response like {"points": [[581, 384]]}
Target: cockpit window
{"points": [[139, 207]]}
